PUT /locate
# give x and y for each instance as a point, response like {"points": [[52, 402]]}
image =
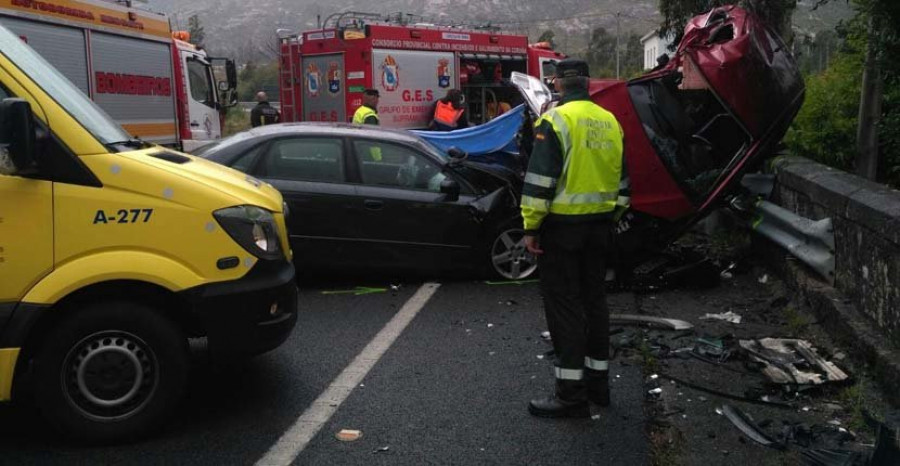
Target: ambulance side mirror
{"points": [[17, 136]]}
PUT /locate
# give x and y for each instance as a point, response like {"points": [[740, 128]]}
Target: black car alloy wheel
{"points": [[509, 257]]}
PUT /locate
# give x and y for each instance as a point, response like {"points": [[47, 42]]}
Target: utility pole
{"points": [[617, 44]]}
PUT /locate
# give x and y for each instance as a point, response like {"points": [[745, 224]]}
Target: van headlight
{"points": [[253, 228]]}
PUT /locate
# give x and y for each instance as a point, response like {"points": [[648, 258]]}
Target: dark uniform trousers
{"points": [[573, 272]]}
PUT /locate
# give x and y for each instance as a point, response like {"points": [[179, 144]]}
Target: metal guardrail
{"points": [[810, 241]]}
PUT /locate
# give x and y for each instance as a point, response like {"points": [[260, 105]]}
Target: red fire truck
{"points": [[151, 80], [324, 72]]}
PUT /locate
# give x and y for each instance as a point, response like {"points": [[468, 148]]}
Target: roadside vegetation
{"points": [[826, 128]]}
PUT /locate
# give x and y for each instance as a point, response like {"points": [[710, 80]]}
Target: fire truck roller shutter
{"points": [[324, 86], [133, 82], [63, 47], [410, 82]]}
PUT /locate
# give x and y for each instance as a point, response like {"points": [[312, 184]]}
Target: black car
{"points": [[364, 198]]}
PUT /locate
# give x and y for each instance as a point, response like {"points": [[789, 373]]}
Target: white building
{"points": [[654, 46]]}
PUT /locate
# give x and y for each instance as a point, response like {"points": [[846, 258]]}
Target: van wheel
{"points": [[111, 372], [509, 258]]}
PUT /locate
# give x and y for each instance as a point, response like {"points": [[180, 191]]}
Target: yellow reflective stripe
{"points": [[562, 128], [564, 198], [596, 364], [569, 374], [540, 180], [536, 203], [623, 201], [8, 357]]}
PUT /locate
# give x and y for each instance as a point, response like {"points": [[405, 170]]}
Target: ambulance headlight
{"points": [[253, 228]]}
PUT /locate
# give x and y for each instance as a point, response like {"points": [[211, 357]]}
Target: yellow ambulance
{"points": [[114, 253]]}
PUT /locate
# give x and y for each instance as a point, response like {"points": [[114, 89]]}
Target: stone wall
{"points": [[866, 219]]}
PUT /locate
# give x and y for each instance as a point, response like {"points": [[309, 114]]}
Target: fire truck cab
{"points": [[323, 72]]}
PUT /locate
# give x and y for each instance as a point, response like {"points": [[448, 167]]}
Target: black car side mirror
{"points": [[457, 155], [17, 134], [450, 189]]}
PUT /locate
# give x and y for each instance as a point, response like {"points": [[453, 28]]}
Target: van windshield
{"points": [[61, 89]]}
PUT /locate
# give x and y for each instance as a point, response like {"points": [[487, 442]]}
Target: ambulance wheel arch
{"points": [[109, 370]]}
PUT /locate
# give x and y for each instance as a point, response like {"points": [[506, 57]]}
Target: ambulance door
{"points": [[324, 93], [26, 228]]}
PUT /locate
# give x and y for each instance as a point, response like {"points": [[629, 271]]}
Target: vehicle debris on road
{"points": [[672, 324], [348, 435], [783, 359], [729, 316]]}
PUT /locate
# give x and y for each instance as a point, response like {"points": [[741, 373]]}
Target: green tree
{"points": [[601, 53], [258, 77], [548, 36], [775, 13], [632, 58], [195, 29]]}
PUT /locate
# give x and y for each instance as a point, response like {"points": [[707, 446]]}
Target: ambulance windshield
{"points": [[61, 89]]}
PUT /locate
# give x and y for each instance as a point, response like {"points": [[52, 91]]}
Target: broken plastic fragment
{"points": [[672, 324], [729, 316], [348, 435], [745, 425]]}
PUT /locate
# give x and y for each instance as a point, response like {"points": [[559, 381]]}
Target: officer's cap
{"points": [[572, 67], [372, 92]]}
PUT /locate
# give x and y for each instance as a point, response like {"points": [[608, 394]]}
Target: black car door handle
{"points": [[373, 205]]}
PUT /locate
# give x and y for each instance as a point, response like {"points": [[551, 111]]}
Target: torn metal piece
{"points": [[722, 394], [831, 457], [673, 324], [729, 316], [783, 356], [745, 425]]}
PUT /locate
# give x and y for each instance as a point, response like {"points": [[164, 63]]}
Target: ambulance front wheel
{"points": [[111, 372]]}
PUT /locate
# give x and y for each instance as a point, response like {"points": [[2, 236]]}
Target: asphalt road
{"points": [[451, 389]]}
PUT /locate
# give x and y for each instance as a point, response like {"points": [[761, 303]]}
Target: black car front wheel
{"points": [[111, 372], [509, 257]]}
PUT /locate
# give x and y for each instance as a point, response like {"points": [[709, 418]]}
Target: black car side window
{"points": [[305, 159], [384, 164]]}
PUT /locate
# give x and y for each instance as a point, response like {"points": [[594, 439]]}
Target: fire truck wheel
{"points": [[111, 372], [508, 257]]}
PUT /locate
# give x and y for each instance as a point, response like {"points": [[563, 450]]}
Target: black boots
{"points": [[570, 401], [572, 396], [597, 386]]}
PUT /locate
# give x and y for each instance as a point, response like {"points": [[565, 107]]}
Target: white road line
{"points": [[311, 421]]}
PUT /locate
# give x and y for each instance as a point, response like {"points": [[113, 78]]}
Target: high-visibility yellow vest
{"points": [[362, 113], [591, 140]]}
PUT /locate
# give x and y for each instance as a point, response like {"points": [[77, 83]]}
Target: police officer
{"points": [[570, 193], [263, 113], [367, 113]]}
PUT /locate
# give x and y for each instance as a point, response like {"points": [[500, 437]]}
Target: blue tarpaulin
{"points": [[497, 135]]}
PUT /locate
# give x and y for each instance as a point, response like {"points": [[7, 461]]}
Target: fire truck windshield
{"points": [[60, 89]]}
